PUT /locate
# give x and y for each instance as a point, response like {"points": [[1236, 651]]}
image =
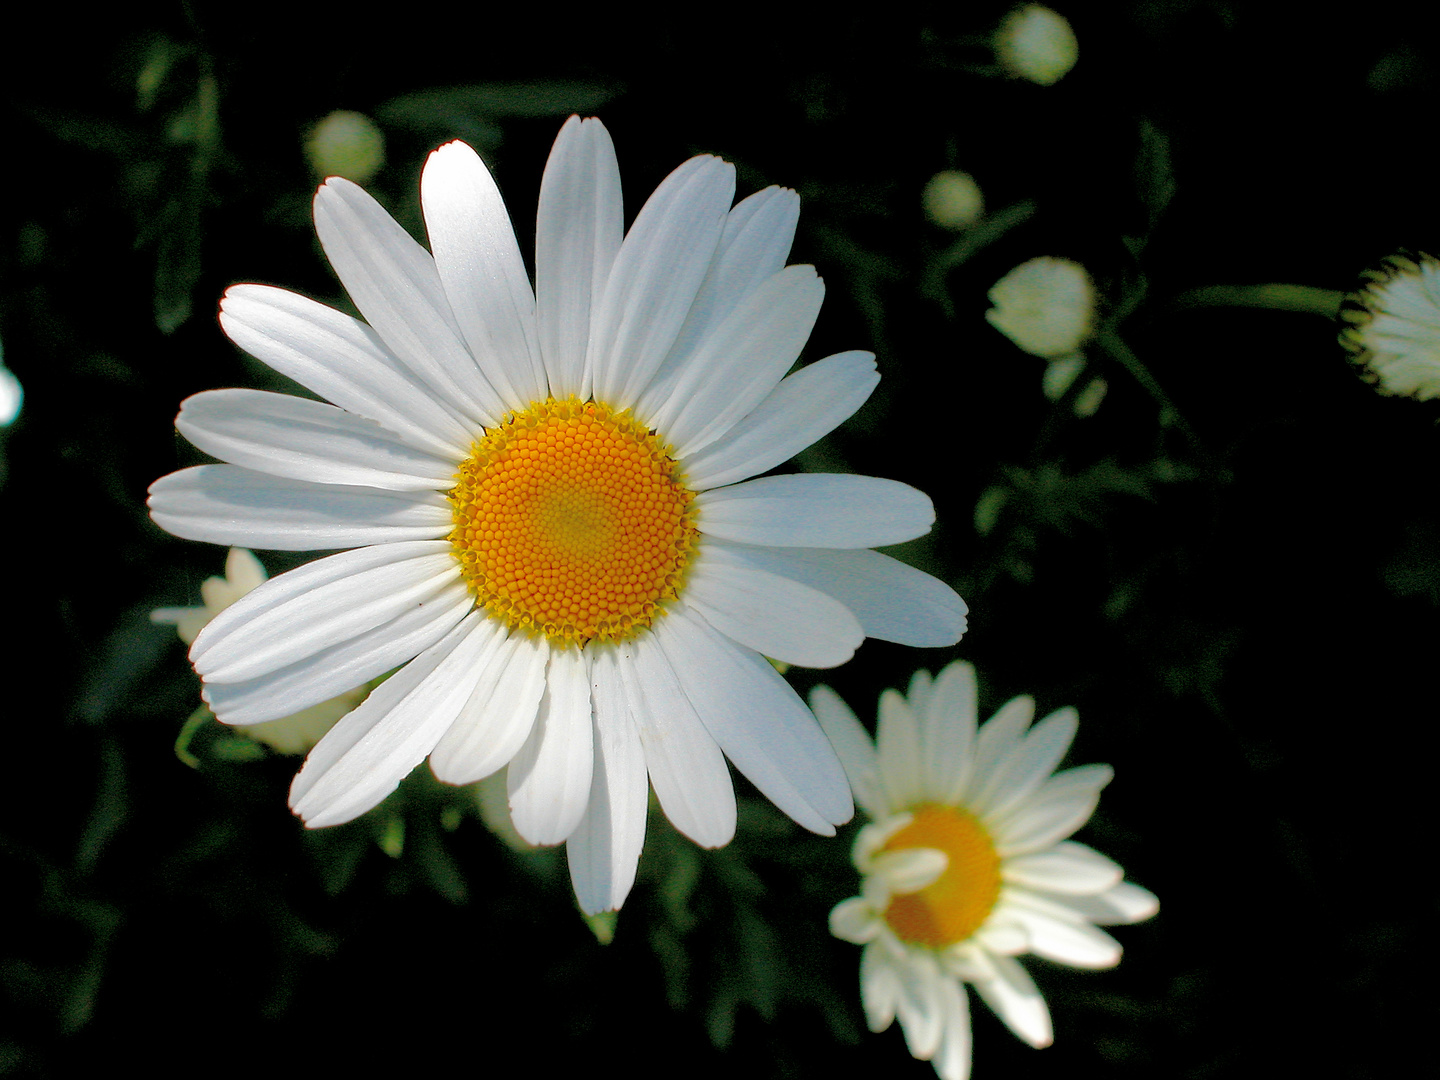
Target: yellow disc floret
{"points": [[571, 521], [954, 906]]}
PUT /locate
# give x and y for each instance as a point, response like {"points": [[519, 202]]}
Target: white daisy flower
{"points": [[966, 864], [543, 493], [1394, 330]]}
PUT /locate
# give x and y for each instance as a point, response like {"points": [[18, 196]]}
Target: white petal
{"points": [[897, 742], [1058, 932], [1125, 903], [1027, 766], [856, 752], [756, 239], [879, 987], [343, 361], [482, 272], [394, 283], [854, 920], [604, 849], [953, 1060], [1068, 867], [773, 615], [740, 362], [228, 504], [577, 235], [909, 870], [307, 440], [893, 602], [364, 756], [318, 605], [804, 408], [655, 278], [1013, 997], [549, 779], [341, 667], [1062, 805], [758, 721], [826, 510], [947, 732], [998, 738], [922, 1015], [687, 769], [497, 719]]}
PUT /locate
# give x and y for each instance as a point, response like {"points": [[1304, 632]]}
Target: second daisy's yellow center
{"points": [[952, 908], [571, 521]]}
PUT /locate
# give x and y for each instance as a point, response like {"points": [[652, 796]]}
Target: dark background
{"points": [[1243, 606]]}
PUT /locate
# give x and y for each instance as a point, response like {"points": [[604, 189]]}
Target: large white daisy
{"points": [[541, 490], [966, 862]]}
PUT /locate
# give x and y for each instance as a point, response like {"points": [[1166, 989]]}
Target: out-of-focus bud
{"points": [[1036, 43], [952, 200], [1046, 306], [346, 144]]}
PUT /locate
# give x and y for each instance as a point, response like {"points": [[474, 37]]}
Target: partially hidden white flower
{"points": [[548, 502], [1394, 326], [966, 862], [293, 734], [1036, 43], [1046, 306]]}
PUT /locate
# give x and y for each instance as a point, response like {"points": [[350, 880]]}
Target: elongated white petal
{"points": [[1013, 997], [922, 1018], [549, 778], [897, 744], [341, 667], [394, 283], [953, 1060], [655, 277], [758, 721], [1124, 903], [364, 756], [318, 605], [482, 272], [893, 602], [773, 615], [1062, 805], [1068, 867], [740, 362], [853, 746], [879, 987], [826, 510], [500, 713], [753, 245], [1027, 766], [998, 738], [909, 870], [343, 361], [228, 504], [687, 769], [1058, 932], [604, 849], [804, 408], [947, 732], [854, 920], [578, 230], [307, 440]]}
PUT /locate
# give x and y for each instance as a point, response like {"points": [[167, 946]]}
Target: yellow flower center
{"points": [[953, 907], [571, 521]]}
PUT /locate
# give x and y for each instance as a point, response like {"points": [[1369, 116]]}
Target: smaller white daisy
{"points": [[967, 864], [953, 200], [1394, 326], [1036, 43]]}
